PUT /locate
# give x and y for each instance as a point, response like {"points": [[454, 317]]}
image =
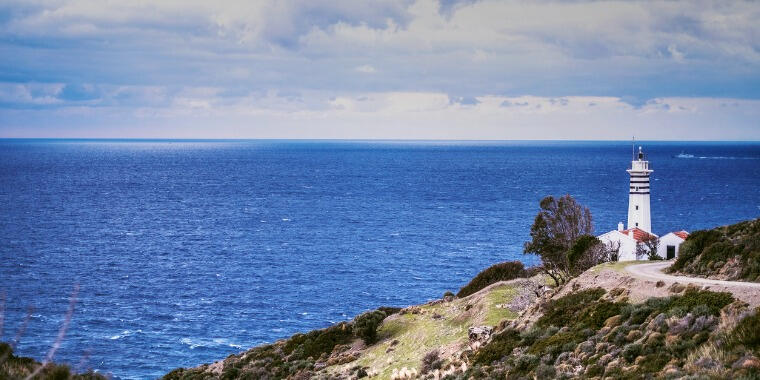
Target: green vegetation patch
{"points": [[709, 252], [506, 271], [563, 311]]}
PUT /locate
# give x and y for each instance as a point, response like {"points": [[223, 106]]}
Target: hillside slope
{"points": [[604, 324], [404, 339], [725, 253]]}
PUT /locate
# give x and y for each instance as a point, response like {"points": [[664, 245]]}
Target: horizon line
{"points": [[199, 139]]}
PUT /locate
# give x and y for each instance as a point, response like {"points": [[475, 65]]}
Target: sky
{"points": [[395, 69]]}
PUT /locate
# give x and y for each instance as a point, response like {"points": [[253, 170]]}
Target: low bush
{"points": [[500, 346], [707, 252], [700, 299], [747, 332], [314, 343], [555, 344], [506, 271], [595, 315], [564, 311], [631, 352], [365, 325], [653, 363], [431, 361]]}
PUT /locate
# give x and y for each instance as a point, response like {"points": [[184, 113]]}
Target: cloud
{"points": [[367, 69], [315, 57], [393, 115]]}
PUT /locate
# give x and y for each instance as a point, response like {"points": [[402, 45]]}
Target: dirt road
{"points": [[653, 271]]}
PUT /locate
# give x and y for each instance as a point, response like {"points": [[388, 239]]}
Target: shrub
{"points": [[706, 252], [747, 332], [595, 315], [631, 351], [499, 272], [365, 325], [314, 343], [501, 345], [431, 361], [526, 362], [693, 298], [555, 344], [654, 363], [389, 310], [563, 311], [585, 253]]}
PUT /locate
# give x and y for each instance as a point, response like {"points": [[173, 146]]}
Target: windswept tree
{"points": [[556, 228], [648, 248]]}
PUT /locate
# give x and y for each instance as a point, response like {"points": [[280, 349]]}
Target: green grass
{"points": [[499, 296]]}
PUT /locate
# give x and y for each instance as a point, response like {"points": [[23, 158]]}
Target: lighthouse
{"points": [[639, 215]]}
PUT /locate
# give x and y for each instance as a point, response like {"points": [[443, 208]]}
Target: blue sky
{"points": [[418, 69]]}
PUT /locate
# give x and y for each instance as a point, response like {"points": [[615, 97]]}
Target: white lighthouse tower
{"points": [[639, 215]]}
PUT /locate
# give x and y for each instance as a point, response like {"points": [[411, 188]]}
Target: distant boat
{"points": [[684, 155]]}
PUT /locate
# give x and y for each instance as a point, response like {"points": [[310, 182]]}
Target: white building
{"points": [[630, 244], [670, 244], [635, 242]]}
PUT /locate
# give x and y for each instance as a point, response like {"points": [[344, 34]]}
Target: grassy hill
{"points": [[404, 339], [580, 331], [726, 253]]}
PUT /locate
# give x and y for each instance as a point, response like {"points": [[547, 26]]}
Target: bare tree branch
{"points": [[61, 333]]}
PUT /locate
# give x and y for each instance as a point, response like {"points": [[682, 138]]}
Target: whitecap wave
{"points": [[216, 342], [124, 334]]}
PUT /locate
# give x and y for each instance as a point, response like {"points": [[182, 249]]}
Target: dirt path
{"points": [[653, 271]]}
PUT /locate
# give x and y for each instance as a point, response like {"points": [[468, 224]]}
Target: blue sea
{"points": [[188, 251]]}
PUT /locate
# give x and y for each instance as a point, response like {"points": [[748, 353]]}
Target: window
{"points": [[637, 207], [637, 224]]}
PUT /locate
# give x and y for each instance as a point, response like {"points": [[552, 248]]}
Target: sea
{"points": [[185, 251]]}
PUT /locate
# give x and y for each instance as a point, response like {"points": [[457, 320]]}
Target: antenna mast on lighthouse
{"points": [[633, 148]]}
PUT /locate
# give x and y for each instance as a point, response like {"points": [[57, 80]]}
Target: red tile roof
{"points": [[638, 234], [682, 234]]}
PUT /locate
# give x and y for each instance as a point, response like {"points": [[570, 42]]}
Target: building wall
{"points": [[665, 241], [627, 250]]}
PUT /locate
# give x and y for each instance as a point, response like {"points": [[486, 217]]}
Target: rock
{"points": [[479, 333], [677, 288], [747, 362], [660, 284]]}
